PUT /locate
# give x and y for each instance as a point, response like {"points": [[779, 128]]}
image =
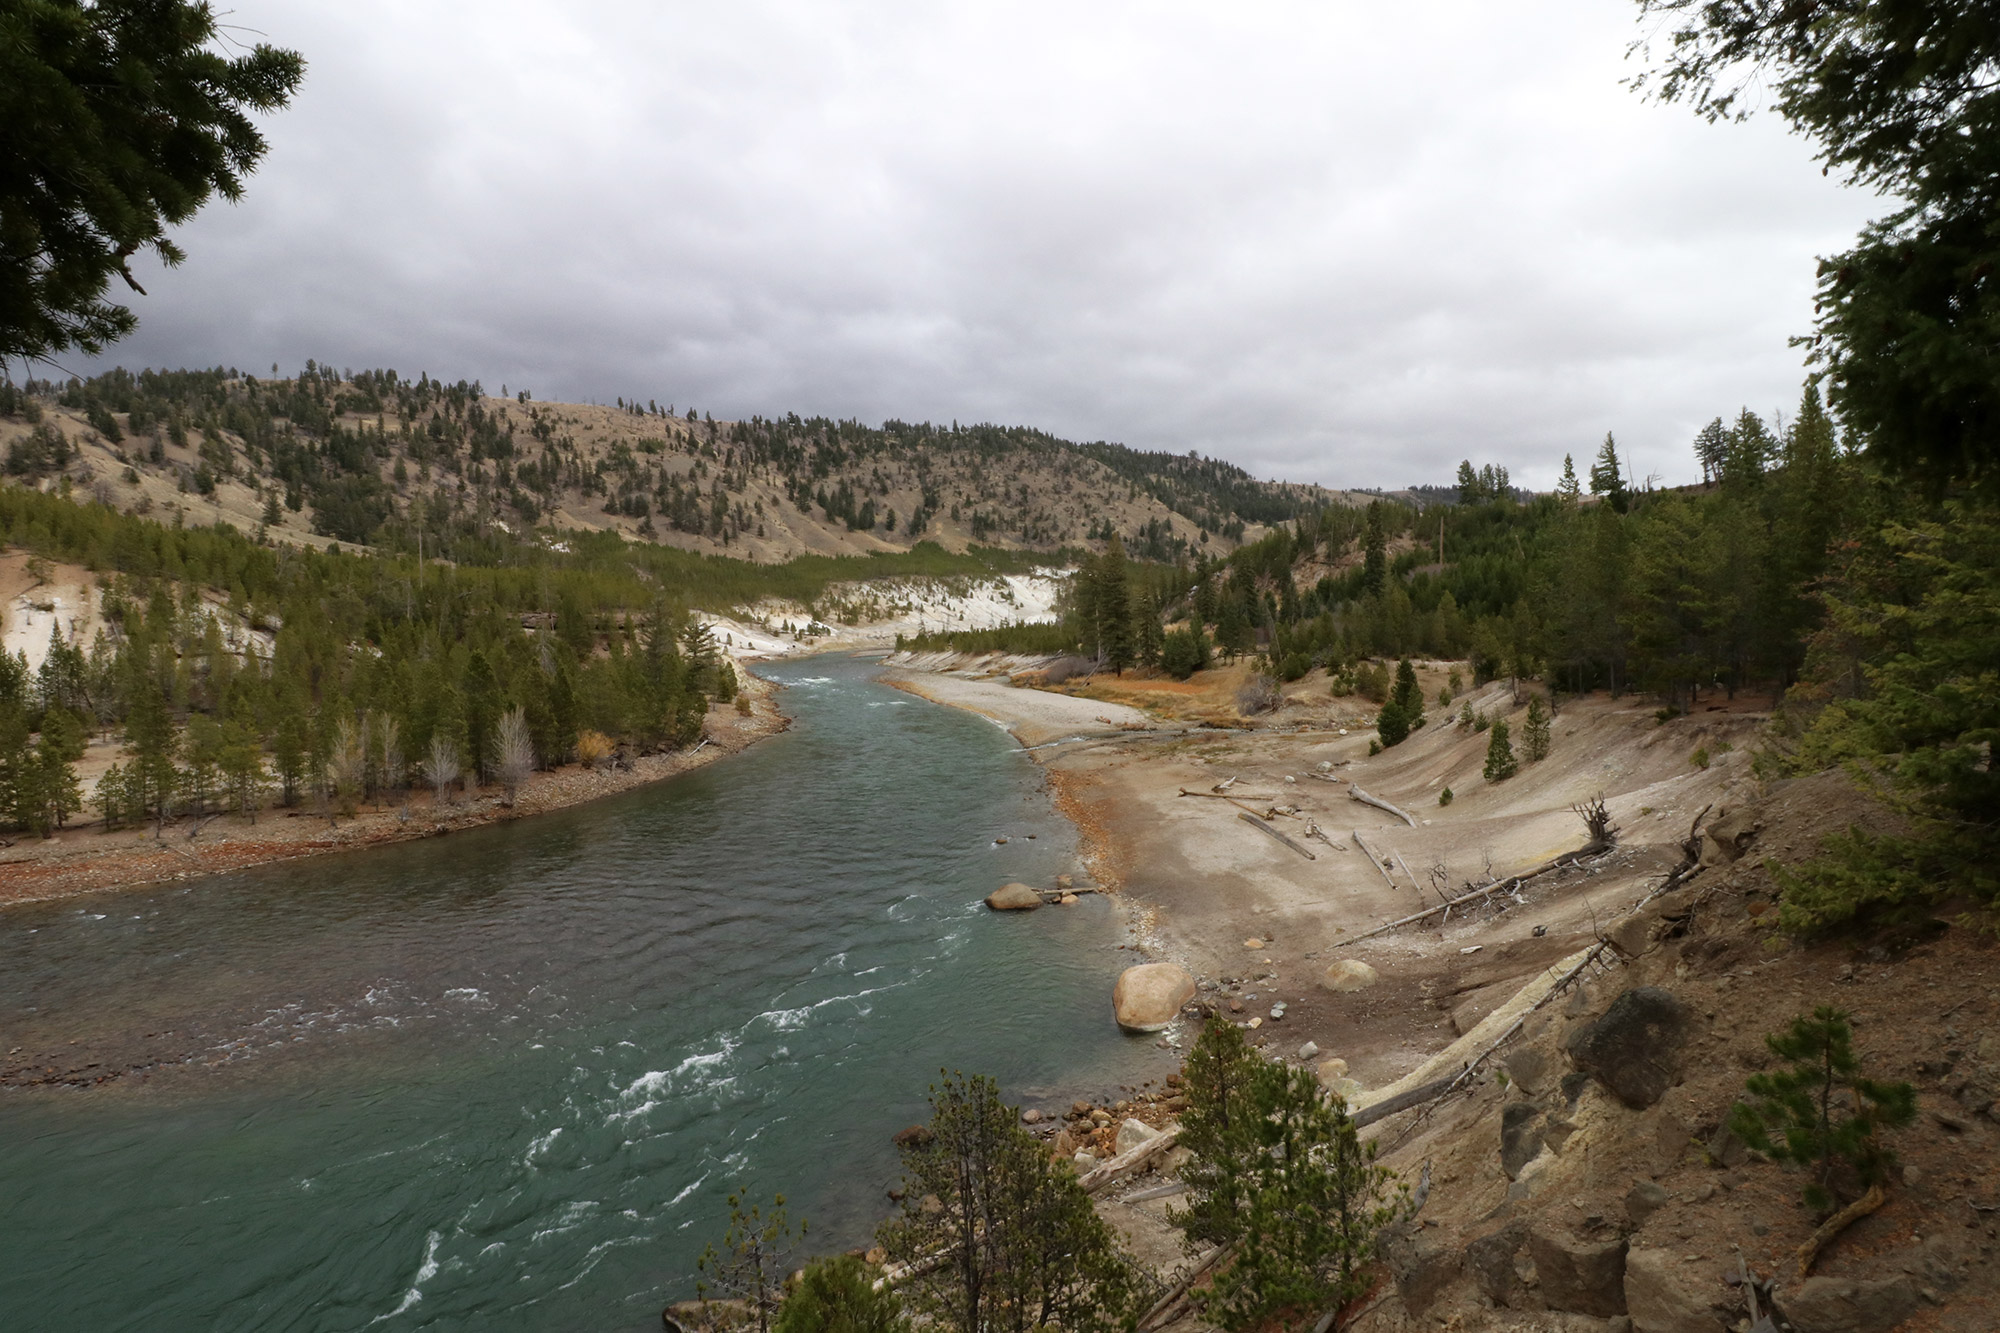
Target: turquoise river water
{"points": [[505, 1079]]}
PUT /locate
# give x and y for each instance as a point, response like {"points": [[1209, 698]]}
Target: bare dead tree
{"points": [[347, 765], [389, 744], [514, 752], [1597, 819], [441, 765]]}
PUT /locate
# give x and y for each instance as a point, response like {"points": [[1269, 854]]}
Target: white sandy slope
{"points": [[885, 609]]}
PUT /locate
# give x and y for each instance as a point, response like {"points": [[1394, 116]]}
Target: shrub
{"points": [[1183, 652], [1371, 682], [838, 1295], [1392, 724], [1258, 694], [1444, 797], [1293, 665], [743, 705], [1700, 757]]}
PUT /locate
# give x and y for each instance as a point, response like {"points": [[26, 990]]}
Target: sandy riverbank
{"points": [[1257, 922], [85, 859]]}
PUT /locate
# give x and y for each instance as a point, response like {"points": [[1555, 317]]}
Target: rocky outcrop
{"points": [[1842, 1305], [1520, 1136], [1665, 1294], [1634, 1050], [1728, 836], [1579, 1276], [1148, 996], [1349, 974], [1014, 898]]}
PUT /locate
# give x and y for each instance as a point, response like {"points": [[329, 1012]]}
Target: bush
{"points": [[1183, 652], [1371, 682], [1258, 694], [1700, 757], [1444, 797], [838, 1295], [1293, 665]]}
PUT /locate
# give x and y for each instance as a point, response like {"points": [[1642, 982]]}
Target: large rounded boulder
{"points": [[1148, 997], [1016, 897], [1349, 974]]}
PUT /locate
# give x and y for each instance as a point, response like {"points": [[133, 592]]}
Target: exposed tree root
{"points": [[1836, 1224]]}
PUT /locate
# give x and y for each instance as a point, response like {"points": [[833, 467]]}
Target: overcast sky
{"points": [[1339, 242]]}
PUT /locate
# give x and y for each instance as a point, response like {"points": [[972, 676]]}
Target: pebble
{"points": [[1031, 1116]]}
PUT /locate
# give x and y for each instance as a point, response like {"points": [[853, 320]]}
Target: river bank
{"points": [[85, 859]]}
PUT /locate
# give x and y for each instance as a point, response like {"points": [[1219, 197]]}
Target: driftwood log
{"points": [[1253, 820], [1498, 886], [1375, 861], [1356, 794]]}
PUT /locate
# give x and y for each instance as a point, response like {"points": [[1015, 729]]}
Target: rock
{"points": [[1665, 1295], [1031, 1116], [1528, 1070], [1634, 1049], [1520, 1136], [1308, 1051], [1254, 1024], [1016, 897], [1084, 1160], [1725, 838], [1491, 1262], [1348, 975], [1148, 996], [1844, 1305], [1253, 943], [1632, 936], [1067, 900], [930, 1205], [1331, 1070], [1422, 1266], [1081, 1108], [1065, 882], [1135, 1134], [1725, 1149], [1064, 1144], [1580, 1277], [916, 1136], [1644, 1199], [876, 1257]]}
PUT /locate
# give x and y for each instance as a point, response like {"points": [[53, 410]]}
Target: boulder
{"points": [[1308, 1051], [1726, 837], [1084, 1160], [1528, 1069], [915, 1136], [1016, 897], [1490, 1259], [1331, 1071], [1348, 975], [1632, 936], [1579, 1276], [1664, 1294], [1844, 1305], [1135, 1134], [1148, 996], [1634, 1049], [1644, 1199], [1422, 1265], [1520, 1136]]}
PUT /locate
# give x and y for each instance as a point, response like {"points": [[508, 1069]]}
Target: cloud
{"points": [[1333, 242]]}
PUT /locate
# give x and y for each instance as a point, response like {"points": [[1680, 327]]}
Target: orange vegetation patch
{"points": [[1107, 860]]}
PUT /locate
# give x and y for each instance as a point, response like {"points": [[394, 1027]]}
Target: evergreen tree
{"points": [[1146, 636], [61, 745], [1500, 761], [1535, 731], [153, 774], [1469, 492], [1023, 1248], [483, 706], [1112, 602], [1375, 557], [1567, 489], [838, 1295], [1821, 1113], [1607, 476], [1711, 446]]}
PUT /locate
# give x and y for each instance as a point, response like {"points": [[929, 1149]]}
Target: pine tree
{"points": [[1567, 489], [1468, 484], [1500, 761], [1375, 558], [1607, 476], [1711, 446], [1821, 1114], [1535, 731], [1112, 601], [1146, 635]]}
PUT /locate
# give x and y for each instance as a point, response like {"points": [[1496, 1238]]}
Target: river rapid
{"points": [[506, 1079]]}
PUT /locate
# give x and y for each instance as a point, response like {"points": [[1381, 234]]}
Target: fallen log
{"points": [[1224, 796], [1106, 1173], [1375, 861], [1169, 1306], [1403, 1101], [1355, 793], [1253, 820], [1498, 886]]}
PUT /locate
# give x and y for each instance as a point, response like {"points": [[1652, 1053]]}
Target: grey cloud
{"points": [[1332, 242]]}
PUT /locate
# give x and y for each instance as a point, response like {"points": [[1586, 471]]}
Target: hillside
{"points": [[371, 457]]}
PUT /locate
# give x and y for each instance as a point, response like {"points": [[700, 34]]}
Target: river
{"points": [[505, 1079]]}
